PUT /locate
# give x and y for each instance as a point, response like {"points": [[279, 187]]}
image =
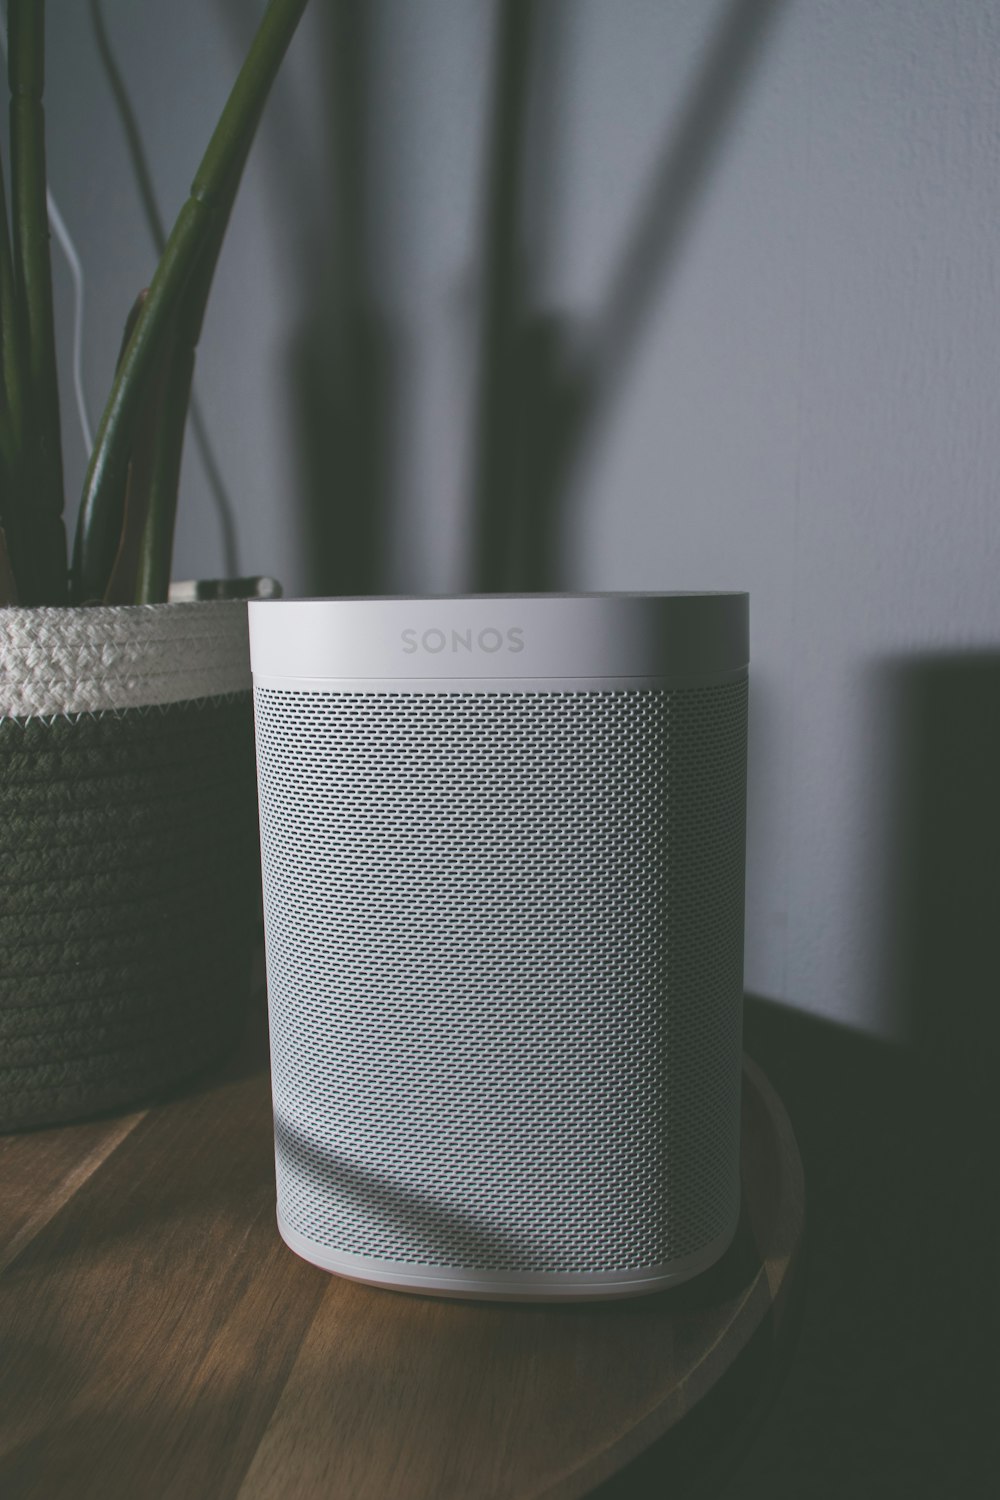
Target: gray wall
{"points": [[762, 239]]}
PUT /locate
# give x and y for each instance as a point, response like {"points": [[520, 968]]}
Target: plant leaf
{"points": [[164, 477], [164, 464], [121, 587], [33, 282], [8, 583], [13, 416], [199, 225]]}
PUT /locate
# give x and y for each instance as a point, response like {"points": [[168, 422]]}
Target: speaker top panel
{"points": [[494, 637]]}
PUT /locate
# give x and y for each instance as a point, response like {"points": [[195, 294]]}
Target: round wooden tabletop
{"points": [[160, 1340]]}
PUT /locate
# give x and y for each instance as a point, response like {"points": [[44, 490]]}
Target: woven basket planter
{"points": [[129, 865]]}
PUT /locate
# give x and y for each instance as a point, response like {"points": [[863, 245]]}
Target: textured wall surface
{"points": [[762, 237]]}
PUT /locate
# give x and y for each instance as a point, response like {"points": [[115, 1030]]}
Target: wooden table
{"points": [[157, 1339]]}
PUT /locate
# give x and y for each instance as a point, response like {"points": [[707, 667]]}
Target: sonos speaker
{"points": [[503, 846]]}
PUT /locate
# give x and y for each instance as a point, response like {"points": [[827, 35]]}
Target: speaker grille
{"points": [[505, 948]]}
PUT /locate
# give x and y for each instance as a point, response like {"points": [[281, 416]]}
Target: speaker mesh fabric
{"points": [[505, 948]]}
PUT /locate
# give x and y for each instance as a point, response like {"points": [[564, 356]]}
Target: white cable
{"points": [[66, 245], [76, 271]]}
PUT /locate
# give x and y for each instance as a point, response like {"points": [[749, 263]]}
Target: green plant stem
{"points": [[158, 234], [199, 225], [12, 362], [9, 467], [121, 582], [157, 545], [13, 513], [154, 477], [156, 549], [145, 462], [33, 279], [8, 583]]}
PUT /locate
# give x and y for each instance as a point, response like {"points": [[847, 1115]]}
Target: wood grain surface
{"points": [[157, 1339]]}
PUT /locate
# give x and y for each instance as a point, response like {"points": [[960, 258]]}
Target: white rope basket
{"points": [[79, 660]]}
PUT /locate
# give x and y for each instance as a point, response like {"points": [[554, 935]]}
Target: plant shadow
{"points": [[547, 383], [544, 383]]}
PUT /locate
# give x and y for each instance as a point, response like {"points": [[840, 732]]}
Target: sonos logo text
{"points": [[488, 639]]}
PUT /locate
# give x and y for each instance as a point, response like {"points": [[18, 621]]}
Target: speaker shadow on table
{"points": [[450, 1235], [446, 1233]]}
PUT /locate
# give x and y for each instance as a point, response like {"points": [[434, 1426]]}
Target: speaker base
{"points": [[510, 1286]]}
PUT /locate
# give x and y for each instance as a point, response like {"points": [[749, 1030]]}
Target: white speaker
{"points": [[503, 844]]}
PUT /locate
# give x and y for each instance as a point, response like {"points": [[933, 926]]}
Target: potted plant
{"points": [[130, 878]]}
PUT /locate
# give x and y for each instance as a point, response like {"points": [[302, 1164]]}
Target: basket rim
{"points": [[73, 659]]}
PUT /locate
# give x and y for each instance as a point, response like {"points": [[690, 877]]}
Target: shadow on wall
{"points": [[543, 385], [940, 879], [345, 358], [891, 1383], [547, 385]]}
